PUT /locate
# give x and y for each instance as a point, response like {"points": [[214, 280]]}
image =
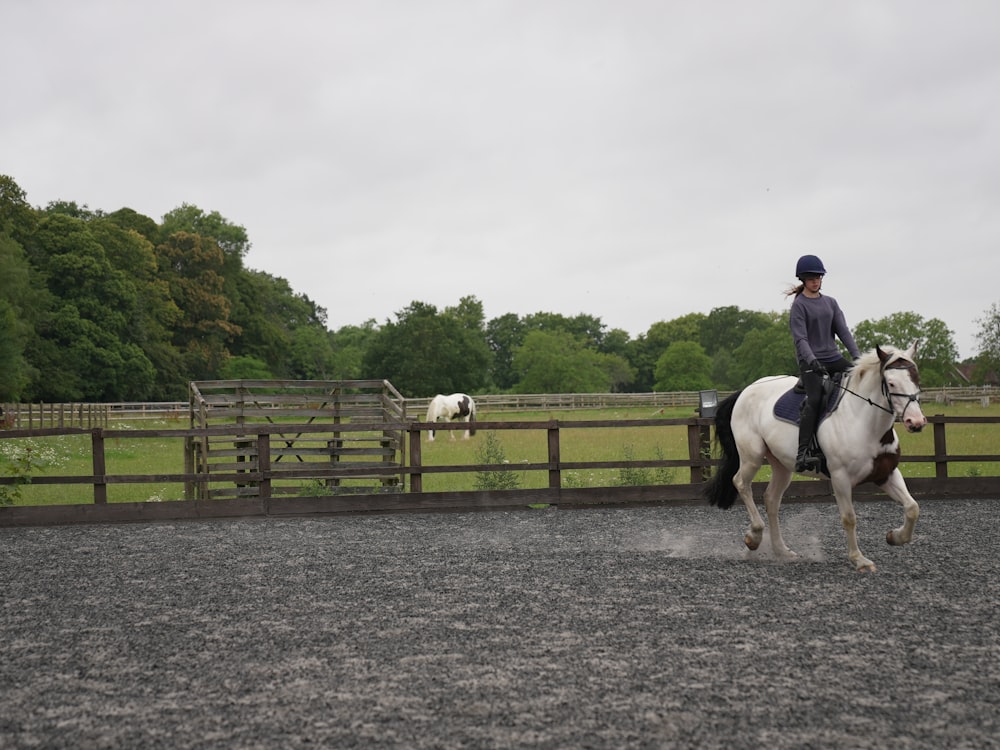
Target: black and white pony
{"points": [[456, 407], [857, 439]]}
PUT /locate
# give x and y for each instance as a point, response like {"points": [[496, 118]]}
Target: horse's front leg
{"points": [[842, 490], [895, 487]]}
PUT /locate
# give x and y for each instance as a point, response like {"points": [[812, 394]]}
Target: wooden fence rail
{"points": [[260, 476], [88, 415]]}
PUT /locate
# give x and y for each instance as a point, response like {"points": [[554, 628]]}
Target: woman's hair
{"points": [[795, 290]]}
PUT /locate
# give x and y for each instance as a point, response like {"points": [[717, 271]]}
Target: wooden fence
{"points": [[38, 416], [261, 477]]}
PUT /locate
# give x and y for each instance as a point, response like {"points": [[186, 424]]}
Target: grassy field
{"points": [[70, 454]]}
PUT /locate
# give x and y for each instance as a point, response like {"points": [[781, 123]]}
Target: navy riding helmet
{"points": [[809, 264]]}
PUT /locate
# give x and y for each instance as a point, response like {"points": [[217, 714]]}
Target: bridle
{"points": [[898, 364]]}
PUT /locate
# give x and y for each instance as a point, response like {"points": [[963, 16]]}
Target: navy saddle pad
{"points": [[788, 406]]}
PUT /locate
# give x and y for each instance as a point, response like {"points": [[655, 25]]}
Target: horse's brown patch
{"points": [[888, 437], [883, 466]]}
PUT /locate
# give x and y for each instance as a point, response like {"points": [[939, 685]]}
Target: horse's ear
{"points": [[882, 356], [911, 353]]}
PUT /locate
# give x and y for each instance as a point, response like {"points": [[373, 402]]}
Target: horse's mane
{"points": [[870, 364], [869, 360]]}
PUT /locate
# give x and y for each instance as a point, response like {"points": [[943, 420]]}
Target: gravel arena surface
{"points": [[604, 628]]}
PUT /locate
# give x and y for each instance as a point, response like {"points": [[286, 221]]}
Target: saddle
{"points": [[788, 407]]}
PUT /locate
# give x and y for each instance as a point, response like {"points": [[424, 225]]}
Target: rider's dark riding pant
{"points": [[813, 383]]}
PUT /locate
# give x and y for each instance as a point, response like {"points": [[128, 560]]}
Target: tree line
{"points": [[108, 307]]}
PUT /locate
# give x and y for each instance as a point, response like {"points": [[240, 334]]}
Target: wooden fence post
{"points": [[705, 450], [189, 467], [416, 478], [694, 452], [940, 452], [264, 466], [555, 474], [100, 466]]}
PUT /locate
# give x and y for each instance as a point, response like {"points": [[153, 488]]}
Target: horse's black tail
{"points": [[472, 421], [719, 490]]}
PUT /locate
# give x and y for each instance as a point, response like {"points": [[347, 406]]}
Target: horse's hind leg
{"points": [[780, 479], [742, 482]]}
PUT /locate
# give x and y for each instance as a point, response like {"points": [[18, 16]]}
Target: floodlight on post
{"points": [[708, 402]]}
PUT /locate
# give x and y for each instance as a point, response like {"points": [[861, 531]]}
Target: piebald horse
{"points": [[857, 439], [456, 407]]}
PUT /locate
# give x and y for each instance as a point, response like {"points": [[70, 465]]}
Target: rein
{"points": [[900, 364]]}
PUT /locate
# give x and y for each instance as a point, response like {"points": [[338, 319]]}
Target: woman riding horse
{"points": [[815, 321]]}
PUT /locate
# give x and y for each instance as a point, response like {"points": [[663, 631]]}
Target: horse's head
{"points": [[901, 385]]}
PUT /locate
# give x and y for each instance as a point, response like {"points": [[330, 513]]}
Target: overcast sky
{"points": [[635, 161]]}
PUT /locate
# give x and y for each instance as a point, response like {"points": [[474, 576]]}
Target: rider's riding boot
{"points": [[804, 460]]}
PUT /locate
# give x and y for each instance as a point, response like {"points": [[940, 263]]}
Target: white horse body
{"points": [[858, 440], [457, 406]]}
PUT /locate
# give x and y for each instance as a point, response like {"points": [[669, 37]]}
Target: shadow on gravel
{"points": [[613, 628]]}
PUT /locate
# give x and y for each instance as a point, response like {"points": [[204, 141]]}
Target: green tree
{"points": [[504, 335], [559, 362], [128, 219], [507, 332], [71, 209], [17, 218], [244, 368], [349, 344], [616, 341], [725, 327], [214, 229], [231, 238], [93, 332], [192, 267], [424, 352], [310, 356], [83, 361], [764, 352], [937, 353], [469, 313], [586, 328], [988, 338], [684, 366], [273, 321], [153, 316], [15, 321], [647, 348], [13, 365]]}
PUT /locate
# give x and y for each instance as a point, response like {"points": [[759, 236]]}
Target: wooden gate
{"points": [[231, 408]]}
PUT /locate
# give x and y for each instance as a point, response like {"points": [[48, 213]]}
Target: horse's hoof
{"points": [[889, 538], [751, 543]]}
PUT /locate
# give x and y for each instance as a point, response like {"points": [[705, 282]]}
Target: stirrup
{"points": [[806, 462]]}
